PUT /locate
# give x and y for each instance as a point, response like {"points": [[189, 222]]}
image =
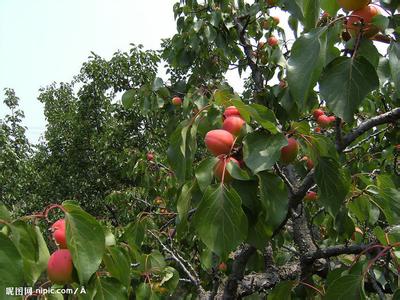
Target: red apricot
{"points": [[272, 41], [317, 129], [352, 4], [323, 121], [362, 20], [176, 101], [309, 162], [219, 168], [150, 156], [222, 267], [231, 111], [219, 141], [332, 118], [289, 152], [311, 196], [318, 112], [233, 125], [58, 229], [60, 267]]}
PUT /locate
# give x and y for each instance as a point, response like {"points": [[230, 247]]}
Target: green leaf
{"points": [[197, 26], [128, 98], [356, 79], [346, 287], [85, 240], [12, 274], [394, 62], [4, 213], [274, 199], [36, 268], [388, 199], [264, 116], [261, 152], [305, 64], [363, 210], [311, 9], [282, 291], [222, 96], [170, 278], [157, 84], [205, 172], [110, 289], [210, 33], [330, 6], [183, 205], [333, 184], [219, 218], [182, 149], [118, 264]]}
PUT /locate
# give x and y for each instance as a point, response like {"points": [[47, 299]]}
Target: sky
{"points": [[45, 41]]}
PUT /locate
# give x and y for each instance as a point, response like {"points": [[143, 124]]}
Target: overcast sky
{"points": [[42, 41]]}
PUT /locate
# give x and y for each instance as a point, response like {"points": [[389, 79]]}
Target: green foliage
{"points": [[158, 226]]}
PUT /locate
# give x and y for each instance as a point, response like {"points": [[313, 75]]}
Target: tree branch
{"points": [[238, 269], [389, 117]]}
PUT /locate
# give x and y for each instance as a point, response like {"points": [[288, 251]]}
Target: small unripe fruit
{"points": [[219, 168], [366, 13], [318, 112], [282, 84], [352, 4], [231, 111], [276, 20], [310, 196], [222, 267], [150, 156], [261, 45], [233, 125], [317, 130], [58, 229], [309, 162], [265, 24], [272, 41], [323, 121], [219, 141], [176, 101], [60, 267], [289, 152]]}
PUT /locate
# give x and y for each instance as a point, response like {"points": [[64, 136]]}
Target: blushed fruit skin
{"points": [[58, 229], [219, 168], [309, 162], [150, 156], [367, 13], [219, 141], [60, 267], [272, 41], [317, 130], [176, 101], [289, 152], [222, 267], [332, 119], [311, 196], [352, 4], [231, 111], [233, 125], [318, 112], [323, 121]]}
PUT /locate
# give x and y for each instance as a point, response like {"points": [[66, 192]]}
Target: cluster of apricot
{"points": [[220, 142], [322, 119], [60, 266], [361, 17]]}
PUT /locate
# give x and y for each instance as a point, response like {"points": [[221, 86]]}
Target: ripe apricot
{"points": [[352, 4], [60, 267], [289, 152], [233, 125], [58, 229], [219, 141], [219, 168], [361, 20]]}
